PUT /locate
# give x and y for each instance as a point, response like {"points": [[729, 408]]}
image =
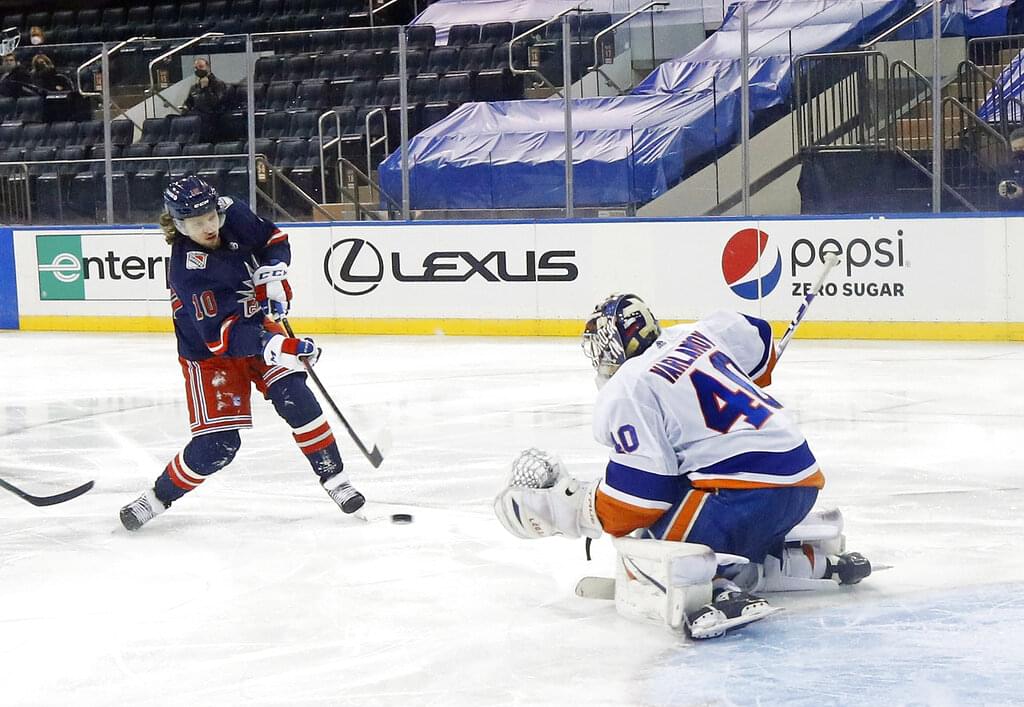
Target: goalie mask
{"points": [[621, 327]]}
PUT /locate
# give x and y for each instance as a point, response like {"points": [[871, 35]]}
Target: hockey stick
{"points": [[372, 455], [830, 262], [47, 500]]}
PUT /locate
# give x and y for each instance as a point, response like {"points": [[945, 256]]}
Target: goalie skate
{"points": [[730, 609]]}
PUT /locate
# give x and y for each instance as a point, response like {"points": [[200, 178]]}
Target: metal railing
{"points": [[29, 168], [974, 86], [99, 56], [15, 193], [533, 30], [842, 100], [599, 59], [891, 32], [153, 92], [350, 177], [338, 140], [975, 154]]}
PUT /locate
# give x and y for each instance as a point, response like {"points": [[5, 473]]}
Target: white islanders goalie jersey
{"points": [[690, 412]]}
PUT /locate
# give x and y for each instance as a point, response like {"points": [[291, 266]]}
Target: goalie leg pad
{"points": [[661, 581]]}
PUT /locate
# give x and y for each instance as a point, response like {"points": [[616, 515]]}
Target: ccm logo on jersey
{"points": [[195, 260], [355, 266]]}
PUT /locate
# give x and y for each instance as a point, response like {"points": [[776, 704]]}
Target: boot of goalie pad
{"points": [[662, 581], [814, 558]]}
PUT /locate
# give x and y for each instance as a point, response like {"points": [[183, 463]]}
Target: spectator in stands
{"points": [[206, 99], [15, 77], [1011, 189], [45, 76], [36, 36]]}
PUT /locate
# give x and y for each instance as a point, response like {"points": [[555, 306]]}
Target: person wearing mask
{"points": [[206, 99], [36, 36], [45, 76]]}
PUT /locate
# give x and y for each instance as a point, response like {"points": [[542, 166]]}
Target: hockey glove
{"points": [[270, 284], [543, 500], [281, 350]]}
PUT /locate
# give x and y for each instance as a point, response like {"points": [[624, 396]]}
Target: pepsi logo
{"points": [[750, 266]]}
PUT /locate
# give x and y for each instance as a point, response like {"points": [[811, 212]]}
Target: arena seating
{"points": [[353, 72]]}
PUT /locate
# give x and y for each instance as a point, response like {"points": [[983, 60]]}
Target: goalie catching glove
{"points": [[273, 293], [542, 500]]}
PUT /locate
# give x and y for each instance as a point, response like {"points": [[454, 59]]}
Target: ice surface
{"points": [[255, 589]]}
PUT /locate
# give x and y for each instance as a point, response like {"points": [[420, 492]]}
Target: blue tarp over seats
{"points": [[446, 13], [1010, 83], [502, 155], [627, 149], [961, 18]]}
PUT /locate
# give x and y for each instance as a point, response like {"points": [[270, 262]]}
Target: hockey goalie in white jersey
{"points": [[709, 486]]}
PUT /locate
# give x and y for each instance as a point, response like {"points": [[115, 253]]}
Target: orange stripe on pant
{"points": [[688, 511], [619, 518]]}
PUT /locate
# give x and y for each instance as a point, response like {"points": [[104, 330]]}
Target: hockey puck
{"points": [[401, 518]]}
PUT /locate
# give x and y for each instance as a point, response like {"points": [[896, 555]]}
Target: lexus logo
{"points": [[354, 266]]}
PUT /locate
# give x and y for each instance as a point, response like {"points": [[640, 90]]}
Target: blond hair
{"points": [[171, 232]]}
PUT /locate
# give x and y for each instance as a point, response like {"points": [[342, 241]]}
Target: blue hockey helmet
{"points": [[620, 328], [187, 197]]}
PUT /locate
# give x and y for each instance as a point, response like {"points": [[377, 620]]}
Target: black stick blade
{"points": [[48, 500]]}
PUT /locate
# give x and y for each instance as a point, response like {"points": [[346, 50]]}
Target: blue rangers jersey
{"points": [[215, 310], [690, 411]]}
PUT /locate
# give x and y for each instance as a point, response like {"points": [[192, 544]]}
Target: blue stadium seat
{"points": [[297, 68], [463, 35], [496, 32], [304, 125], [442, 60], [183, 129], [279, 95], [329, 66], [311, 95], [421, 36], [355, 39], [180, 168], [275, 125], [33, 135], [268, 68], [154, 130], [367, 63], [122, 132], [63, 133], [476, 57], [29, 109], [384, 37]]}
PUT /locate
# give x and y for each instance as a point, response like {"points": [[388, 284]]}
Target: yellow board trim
{"points": [[907, 331]]}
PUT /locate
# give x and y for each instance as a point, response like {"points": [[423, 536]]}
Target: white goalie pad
{"points": [[823, 528], [661, 581]]}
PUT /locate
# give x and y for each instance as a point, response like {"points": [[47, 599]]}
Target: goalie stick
{"points": [[47, 500], [372, 455], [830, 262]]}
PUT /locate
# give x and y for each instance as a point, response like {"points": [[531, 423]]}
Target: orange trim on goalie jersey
{"points": [[765, 379], [619, 518], [816, 480]]}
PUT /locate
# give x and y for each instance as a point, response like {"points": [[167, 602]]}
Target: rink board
{"points": [[899, 278]]}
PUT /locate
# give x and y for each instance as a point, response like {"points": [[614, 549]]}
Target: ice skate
{"points": [[343, 493], [729, 609], [142, 510]]}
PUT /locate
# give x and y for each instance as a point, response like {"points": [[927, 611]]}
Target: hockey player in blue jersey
{"points": [[228, 278], [699, 454]]}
